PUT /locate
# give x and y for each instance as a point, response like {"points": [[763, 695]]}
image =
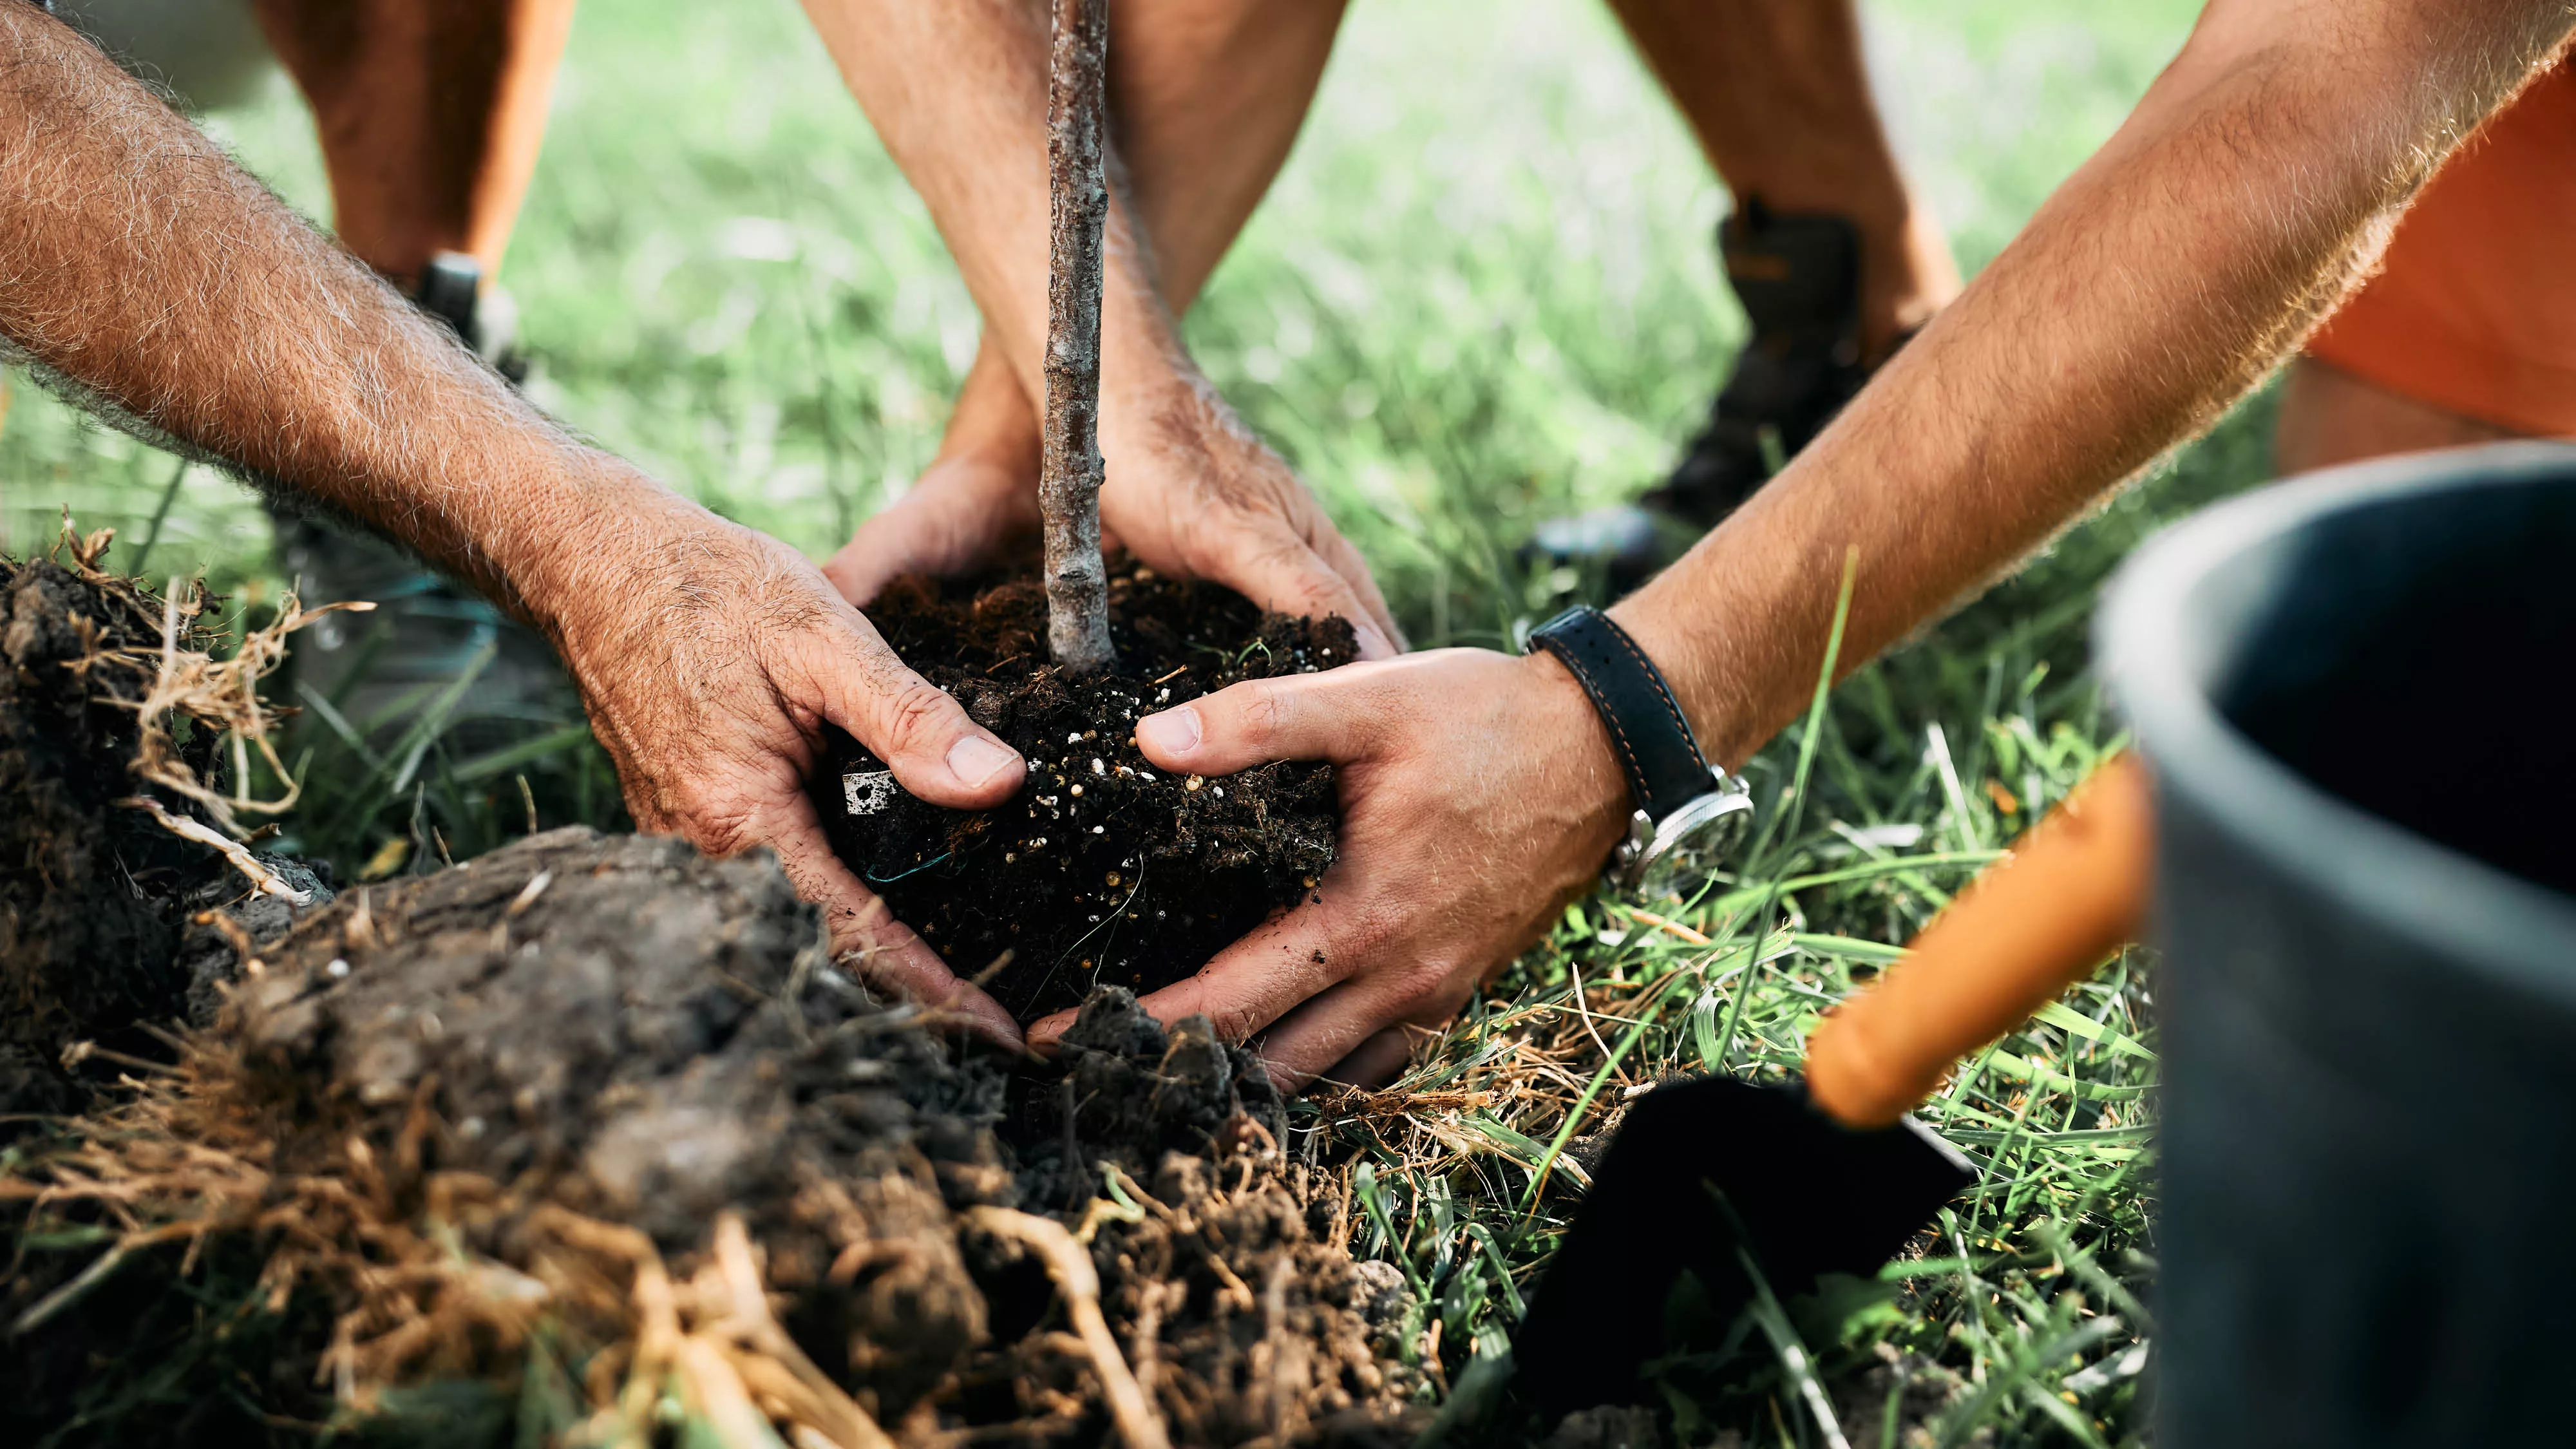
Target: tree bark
{"points": [[1078, 211]]}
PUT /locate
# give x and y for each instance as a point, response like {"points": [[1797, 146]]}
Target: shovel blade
{"points": [[1811, 1195]]}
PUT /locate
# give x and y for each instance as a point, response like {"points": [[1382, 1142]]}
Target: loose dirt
{"points": [[1102, 870]]}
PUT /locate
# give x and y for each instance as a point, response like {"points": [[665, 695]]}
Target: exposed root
{"points": [[469, 1128], [117, 725], [260, 876], [1070, 1268], [222, 693]]}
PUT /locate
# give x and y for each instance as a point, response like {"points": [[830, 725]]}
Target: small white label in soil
{"points": [[868, 792]]}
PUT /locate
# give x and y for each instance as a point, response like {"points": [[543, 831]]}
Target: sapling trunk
{"points": [[1078, 210]]}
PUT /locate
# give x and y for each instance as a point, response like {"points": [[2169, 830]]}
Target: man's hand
{"points": [[1209, 100], [974, 502], [1195, 495], [1479, 796], [710, 658], [963, 514], [1189, 492]]}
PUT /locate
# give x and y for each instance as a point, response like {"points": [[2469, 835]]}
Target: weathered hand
{"points": [[710, 658], [1479, 796], [975, 500], [963, 514], [1194, 495]]}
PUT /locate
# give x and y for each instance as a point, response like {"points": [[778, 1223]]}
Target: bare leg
{"points": [[2331, 416], [430, 113], [1777, 94], [1206, 97]]}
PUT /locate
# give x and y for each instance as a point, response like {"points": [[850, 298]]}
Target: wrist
{"points": [[1582, 762], [579, 534], [1651, 617]]}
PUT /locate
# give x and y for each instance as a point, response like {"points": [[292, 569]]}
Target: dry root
{"points": [[221, 694], [174, 1165], [1069, 1265]]}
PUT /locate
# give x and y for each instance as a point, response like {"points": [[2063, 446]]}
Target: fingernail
{"points": [[1373, 643], [975, 760], [1174, 731]]}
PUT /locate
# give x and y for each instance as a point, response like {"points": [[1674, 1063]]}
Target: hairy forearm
{"points": [[2160, 283], [138, 264], [1206, 97]]}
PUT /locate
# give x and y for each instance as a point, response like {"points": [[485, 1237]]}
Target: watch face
{"points": [[1696, 841]]}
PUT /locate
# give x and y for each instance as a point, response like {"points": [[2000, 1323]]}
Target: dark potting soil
{"points": [[1102, 870]]}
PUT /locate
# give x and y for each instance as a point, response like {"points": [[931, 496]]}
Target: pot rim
{"points": [[2402, 882]]}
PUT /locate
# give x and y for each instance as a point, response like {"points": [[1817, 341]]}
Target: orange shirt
{"points": [[2476, 309]]}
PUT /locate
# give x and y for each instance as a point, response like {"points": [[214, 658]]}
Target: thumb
{"points": [[924, 736], [1323, 716]]}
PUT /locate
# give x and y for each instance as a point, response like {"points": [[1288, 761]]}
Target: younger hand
{"points": [[1479, 796], [709, 658]]}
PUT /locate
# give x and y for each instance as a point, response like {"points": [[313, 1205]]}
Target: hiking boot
{"points": [[1799, 280], [451, 289], [376, 674]]}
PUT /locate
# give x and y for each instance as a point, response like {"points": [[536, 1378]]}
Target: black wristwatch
{"points": [[1689, 817]]}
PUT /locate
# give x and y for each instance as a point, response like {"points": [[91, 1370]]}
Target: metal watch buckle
{"points": [[1636, 855], [1628, 861]]}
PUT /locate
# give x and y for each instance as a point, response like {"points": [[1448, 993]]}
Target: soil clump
{"points": [[580, 1101], [1102, 870], [90, 893]]}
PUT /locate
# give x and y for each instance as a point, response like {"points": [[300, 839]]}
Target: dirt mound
{"points": [[624, 1029], [596, 1116], [91, 895], [1102, 870], [96, 893]]}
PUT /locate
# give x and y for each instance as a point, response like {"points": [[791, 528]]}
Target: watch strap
{"points": [[1653, 740]]}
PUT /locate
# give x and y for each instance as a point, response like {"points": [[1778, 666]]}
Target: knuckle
{"points": [[718, 828], [914, 715], [1235, 1021], [1235, 1016], [1268, 714]]}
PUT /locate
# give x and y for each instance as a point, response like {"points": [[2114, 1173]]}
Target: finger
{"points": [[1247, 986], [862, 933], [1344, 560], [1326, 716], [1289, 577], [1375, 1062], [1340, 1030], [924, 736]]}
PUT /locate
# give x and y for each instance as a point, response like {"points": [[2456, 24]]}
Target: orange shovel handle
{"points": [[2073, 890]]}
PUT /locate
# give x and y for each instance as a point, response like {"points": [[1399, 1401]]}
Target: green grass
{"points": [[1482, 292]]}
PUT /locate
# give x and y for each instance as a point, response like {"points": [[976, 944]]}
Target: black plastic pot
{"points": [[2354, 693]]}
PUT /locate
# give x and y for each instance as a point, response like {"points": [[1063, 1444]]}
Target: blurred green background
{"points": [[1483, 291]]}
